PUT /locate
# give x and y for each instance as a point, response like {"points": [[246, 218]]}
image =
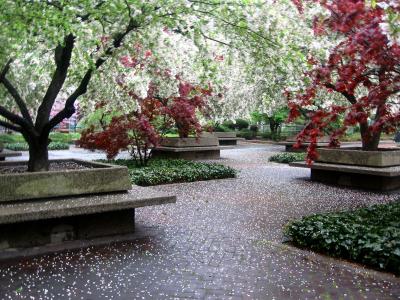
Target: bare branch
{"points": [[62, 57], [14, 93], [10, 126], [69, 108]]}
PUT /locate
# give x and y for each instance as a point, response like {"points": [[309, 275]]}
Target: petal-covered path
{"points": [[221, 240]]}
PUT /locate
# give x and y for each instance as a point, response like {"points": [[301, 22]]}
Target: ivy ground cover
{"points": [[164, 171], [370, 236]]}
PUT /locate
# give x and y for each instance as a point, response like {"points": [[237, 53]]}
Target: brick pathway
{"points": [[222, 240]]}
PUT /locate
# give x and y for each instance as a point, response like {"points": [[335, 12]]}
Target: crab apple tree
{"points": [[363, 68]]}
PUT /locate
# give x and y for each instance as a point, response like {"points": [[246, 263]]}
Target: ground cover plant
{"points": [[164, 171], [370, 236], [288, 157]]}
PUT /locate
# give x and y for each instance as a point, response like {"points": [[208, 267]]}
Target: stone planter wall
{"points": [[225, 134], [355, 156], [203, 141], [97, 178]]}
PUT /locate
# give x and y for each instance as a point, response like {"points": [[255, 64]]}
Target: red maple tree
{"points": [[363, 67], [141, 130]]}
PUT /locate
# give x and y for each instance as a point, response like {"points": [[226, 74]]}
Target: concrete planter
{"points": [[96, 178], [225, 134], [355, 156], [205, 147], [203, 141]]}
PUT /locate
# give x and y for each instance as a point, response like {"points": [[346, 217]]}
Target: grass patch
{"points": [[288, 157], [164, 171], [370, 236], [24, 146]]}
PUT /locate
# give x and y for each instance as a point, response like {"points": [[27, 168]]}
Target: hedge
{"points": [[288, 157], [370, 236], [25, 147]]}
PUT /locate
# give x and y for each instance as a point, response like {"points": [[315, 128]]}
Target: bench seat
{"points": [[33, 223]]}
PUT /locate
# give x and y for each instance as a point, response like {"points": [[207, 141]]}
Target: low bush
{"points": [[164, 171], [288, 157], [11, 138], [68, 138], [241, 124], [25, 147], [370, 236], [254, 128], [229, 124], [247, 134], [221, 128], [273, 136]]}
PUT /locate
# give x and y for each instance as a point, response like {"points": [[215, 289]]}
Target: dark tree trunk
{"points": [[38, 155], [370, 140], [273, 125]]}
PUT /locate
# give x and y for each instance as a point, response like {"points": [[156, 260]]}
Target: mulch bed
{"points": [[54, 166]]}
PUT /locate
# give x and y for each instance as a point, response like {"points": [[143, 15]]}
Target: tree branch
{"points": [[14, 93], [69, 108], [10, 126], [13, 118], [351, 98], [62, 58]]}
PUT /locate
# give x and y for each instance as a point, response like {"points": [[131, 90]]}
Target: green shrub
{"points": [[25, 147], [288, 157], [370, 236], [254, 128], [247, 134], [229, 124], [241, 124], [273, 136], [11, 138], [68, 138], [221, 128], [164, 171]]}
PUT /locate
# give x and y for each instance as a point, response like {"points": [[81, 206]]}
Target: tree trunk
{"points": [[273, 126], [38, 155], [370, 140]]}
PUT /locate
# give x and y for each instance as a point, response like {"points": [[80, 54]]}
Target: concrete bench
{"points": [[34, 223], [229, 141], [371, 178], [8, 153]]}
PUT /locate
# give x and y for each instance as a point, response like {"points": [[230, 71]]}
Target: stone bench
{"points": [[229, 141], [8, 153], [34, 223], [380, 179]]}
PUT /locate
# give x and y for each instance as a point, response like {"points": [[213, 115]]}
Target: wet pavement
{"points": [[221, 240]]}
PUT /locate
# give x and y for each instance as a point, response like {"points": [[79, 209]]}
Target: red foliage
{"points": [[364, 67], [133, 132], [140, 130]]}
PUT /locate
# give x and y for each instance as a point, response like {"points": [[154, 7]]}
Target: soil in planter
{"points": [[54, 166]]}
